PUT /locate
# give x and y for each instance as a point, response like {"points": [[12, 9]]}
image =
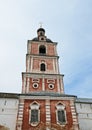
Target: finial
{"points": [[40, 24]]}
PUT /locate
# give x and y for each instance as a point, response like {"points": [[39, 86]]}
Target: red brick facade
{"points": [[43, 90], [27, 125]]}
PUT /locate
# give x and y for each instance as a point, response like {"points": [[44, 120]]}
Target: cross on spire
{"points": [[40, 24]]}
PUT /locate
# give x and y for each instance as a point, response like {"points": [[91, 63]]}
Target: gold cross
{"points": [[40, 24]]}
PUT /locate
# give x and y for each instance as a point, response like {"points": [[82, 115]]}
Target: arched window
{"points": [[61, 114], [42, 67], [42, 49], [34, 117]]}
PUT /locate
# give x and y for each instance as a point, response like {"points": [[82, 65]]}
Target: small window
{"points": [[42, 49], [42, 67], [35, 85], [61, 114], [51, 86], [42, 38]]}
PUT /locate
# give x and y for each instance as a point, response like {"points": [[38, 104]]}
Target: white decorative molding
{"points": [[50, 80], [28, 84], [35, 85], [34, 106], [48, 114], [20, 115], [36, 80]]}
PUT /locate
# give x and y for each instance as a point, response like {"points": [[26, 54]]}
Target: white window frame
{"points": [[34, 106], [51, 85], [61, 107], [35, 84]]}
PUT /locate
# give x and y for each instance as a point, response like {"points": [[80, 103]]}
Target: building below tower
{"points": [[43, 104]]}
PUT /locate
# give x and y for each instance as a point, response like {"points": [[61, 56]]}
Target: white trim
{"points": [[35, 84], [34, 106], [43, 84], [51, 80], [35, 80], [31, 68], [58, 84], [54, 65], [28, 83], [48, 112], [49, 85], [60, 107]]}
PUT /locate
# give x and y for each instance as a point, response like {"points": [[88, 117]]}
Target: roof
{"points": [[40, 93], [36, 39], [9, 95], [41, 29], [84, 100], [52, 94]]}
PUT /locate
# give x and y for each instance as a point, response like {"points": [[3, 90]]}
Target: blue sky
{"points": [[68, 22]]}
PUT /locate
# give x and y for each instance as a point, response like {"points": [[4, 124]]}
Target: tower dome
{"points": [[41, 32], [41, 35], [41, 29]]}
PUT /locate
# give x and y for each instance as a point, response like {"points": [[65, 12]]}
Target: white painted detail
{"points": [[48, 116]]}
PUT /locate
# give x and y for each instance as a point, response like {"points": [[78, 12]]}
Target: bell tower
{"points": [[42, 103], [42, 69]]}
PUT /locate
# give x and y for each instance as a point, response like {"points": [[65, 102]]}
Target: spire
{"points": [[40, 24]]}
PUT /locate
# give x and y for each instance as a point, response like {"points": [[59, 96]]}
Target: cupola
{"points": [[41, 34]]}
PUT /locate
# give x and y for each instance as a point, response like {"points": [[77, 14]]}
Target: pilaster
{"points": [[20, 115], [74, 116]]}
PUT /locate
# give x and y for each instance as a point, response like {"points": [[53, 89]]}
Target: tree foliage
{"points": [[3, 128]]}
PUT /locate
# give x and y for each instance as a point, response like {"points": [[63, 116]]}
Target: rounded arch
{"points": [[42, 49], [42, 67]]}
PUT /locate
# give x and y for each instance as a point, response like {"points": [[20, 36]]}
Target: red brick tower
{"points": [[43, 104], [42, 71]]}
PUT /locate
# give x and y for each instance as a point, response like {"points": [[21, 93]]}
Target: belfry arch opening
{"points": [[42, 49]]}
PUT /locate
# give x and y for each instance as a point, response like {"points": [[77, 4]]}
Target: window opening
{"points": [[61, 114], [42, 67], [42, 38], [51, 86], [35, 85], [34, 117], [42, 49]]}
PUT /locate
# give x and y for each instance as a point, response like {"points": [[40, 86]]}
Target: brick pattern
{"points": [[50, 49], [34, 48], [69, 121]]}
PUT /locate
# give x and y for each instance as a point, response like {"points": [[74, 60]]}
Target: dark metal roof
{"points": [[84, 100], [41, 29], [52, 94], [40, 93], [36, 39], [9, 95]]}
